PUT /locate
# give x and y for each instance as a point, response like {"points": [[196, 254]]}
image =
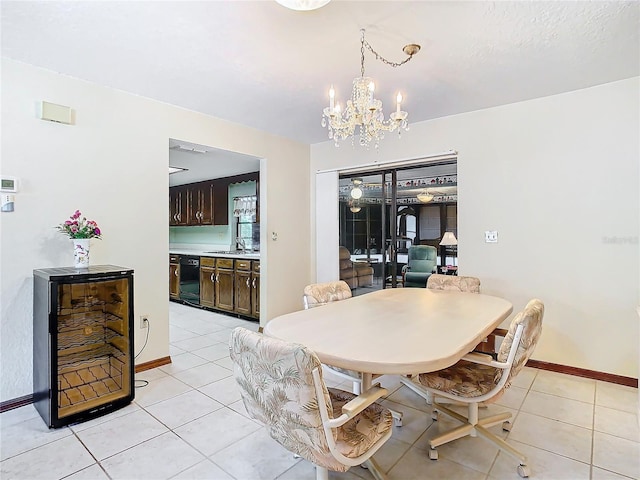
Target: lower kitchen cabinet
{"points": [[243, 287], [225, 283], [207, 282], [255, 290]]}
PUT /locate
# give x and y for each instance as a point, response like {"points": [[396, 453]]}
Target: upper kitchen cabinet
{"points": [[201, 202], [204, 203], [178, 206]]}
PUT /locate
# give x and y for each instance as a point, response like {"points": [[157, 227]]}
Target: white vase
{"points": [[81, 252]]}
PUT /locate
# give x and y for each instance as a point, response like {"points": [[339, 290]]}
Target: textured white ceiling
{"points": [[259, 64]]}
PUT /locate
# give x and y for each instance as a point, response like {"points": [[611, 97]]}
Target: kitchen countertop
{"points": [[208, 253]]}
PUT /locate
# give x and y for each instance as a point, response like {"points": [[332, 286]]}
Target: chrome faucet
{"points": [[241, 244]]}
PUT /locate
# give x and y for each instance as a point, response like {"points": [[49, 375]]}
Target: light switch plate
{"points": [[491, 236]]}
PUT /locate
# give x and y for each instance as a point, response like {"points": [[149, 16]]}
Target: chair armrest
{"points": [[484, 359], [405, 268], [357, 405], [363, 400]]}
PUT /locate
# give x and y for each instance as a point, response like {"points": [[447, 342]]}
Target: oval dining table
{"points": [[397, 331]]}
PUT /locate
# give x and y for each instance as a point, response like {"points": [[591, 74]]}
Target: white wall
{"points": [[112, 165], [557, 177]]}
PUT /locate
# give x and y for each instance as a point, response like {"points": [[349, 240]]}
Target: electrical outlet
{"points": [[144, 321], [491, 236]]}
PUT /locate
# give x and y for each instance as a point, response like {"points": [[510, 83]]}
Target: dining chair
{"points": [[318, 294], [478, 378], [282, 387]]}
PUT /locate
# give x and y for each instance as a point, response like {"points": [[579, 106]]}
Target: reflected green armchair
{"points": [[421, 264]]}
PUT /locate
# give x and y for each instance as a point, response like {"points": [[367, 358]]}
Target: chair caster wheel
{"points": [[433, 454], [397, 422], [506, 426], [524, 471], [434, 416]]}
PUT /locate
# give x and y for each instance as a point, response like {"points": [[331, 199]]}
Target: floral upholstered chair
{"points": [[478, 378], [455, 283], [318, 294], [281, 386]]}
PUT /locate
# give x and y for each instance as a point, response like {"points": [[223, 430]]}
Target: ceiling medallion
{"points": [[363, 115]]}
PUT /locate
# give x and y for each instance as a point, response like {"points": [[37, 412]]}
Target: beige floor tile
{"points": [[156, 459], [225, 391], [512, 397], [225, 362], [132, 407], [203, 375], [390, 453], [405, 396], [558, 437], [304, 470], [525, 378], [267, 460], [221, 336], [414, 422], [415, 465], [181, 362], [218, 430], [616, 454], [562, 385], [195, 343], [94, 472], [213, 352], [544, 465], [617, 423], [184, 408], [601, 474], [178, 334], [18, 415], [559, 408], [53, 460], [120, 433], [204, 470], [26, 435], [160, 389], [615, 396]]}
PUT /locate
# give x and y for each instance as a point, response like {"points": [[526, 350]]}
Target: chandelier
{"points": [[363, 115]]}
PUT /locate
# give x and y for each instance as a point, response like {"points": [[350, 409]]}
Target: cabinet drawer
{"points": [[243, 264], [207, 262], [256, 266], [224, 262], [174, 259]]}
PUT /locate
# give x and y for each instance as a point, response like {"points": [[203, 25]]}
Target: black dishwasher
{"points": [[190, 279]]}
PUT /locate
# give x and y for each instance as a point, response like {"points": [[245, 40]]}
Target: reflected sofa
{"points": [[355, 274]]}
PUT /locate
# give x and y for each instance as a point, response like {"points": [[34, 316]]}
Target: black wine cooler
{"points": [[82, 342]]}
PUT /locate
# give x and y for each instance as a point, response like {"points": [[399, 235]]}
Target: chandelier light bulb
{"points": [[332, 96], [356, 193]]}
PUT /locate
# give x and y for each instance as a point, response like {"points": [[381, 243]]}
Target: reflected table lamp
{"points": [[448, 240]]}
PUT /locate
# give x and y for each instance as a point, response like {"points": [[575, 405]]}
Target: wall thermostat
{"points": [[8, 184]]}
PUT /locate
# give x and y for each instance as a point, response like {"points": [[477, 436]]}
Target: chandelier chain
{"points": [[364, 43]]}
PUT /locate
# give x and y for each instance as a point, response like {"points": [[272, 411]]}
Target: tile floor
{"points": [[189, 423]]}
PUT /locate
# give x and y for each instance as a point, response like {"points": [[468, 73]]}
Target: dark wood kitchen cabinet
{"points": [[225, 280], [255, 290], [178, 206], [243, 287], [174, 276], [207, 282], [201, 203]]}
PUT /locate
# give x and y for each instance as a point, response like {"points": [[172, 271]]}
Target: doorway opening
{"points": [[383, 213]]}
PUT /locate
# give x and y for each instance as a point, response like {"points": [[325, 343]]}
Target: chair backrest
{"points": [[422, 258], [453, 282], [318, 294], [531, 319], [277, 387]]}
